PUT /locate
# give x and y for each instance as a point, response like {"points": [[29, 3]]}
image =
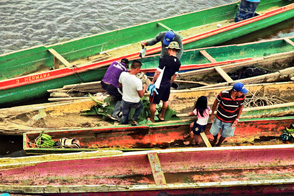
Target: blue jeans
{"points": [[126, 108], [227, 129]]}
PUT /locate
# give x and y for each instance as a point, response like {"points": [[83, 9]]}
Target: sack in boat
{"points": [[68, 143]]}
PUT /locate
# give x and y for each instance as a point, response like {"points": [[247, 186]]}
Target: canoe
{"points": [[158, 135], [25, 74], [216, 56], [66, 114], [241, 170]]}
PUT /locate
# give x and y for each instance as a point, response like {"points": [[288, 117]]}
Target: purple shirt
{"points": [[113, 72]]}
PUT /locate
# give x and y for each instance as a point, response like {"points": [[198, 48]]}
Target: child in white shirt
{"points": [[201, 110]]}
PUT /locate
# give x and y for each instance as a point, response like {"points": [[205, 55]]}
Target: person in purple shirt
{"points": [[110, 83]]}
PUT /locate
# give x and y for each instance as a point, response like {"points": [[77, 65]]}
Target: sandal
{"points": [[160, 119], [134, 123]]}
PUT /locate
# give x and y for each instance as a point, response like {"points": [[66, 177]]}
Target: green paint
{"points": [[27, 61]]}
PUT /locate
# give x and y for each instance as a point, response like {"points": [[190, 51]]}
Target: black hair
{"points": [[201, 105], [136, 64]]}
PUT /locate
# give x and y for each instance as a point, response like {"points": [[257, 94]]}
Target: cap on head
{"points": [[174, 45], [125, 61], [239, 86], [168, 38]]}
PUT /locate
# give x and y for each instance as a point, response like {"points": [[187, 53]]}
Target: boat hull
{"points": [[159, 135], [255, 170]]}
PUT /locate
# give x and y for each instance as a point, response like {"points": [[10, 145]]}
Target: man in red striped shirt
{"points": [[230, 105]]}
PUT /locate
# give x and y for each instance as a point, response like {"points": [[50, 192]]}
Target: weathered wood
{"points": [[205, 140], [210, 58], [156, 168], [59, 57], [289, 41], [223, 74], [164, 26]]}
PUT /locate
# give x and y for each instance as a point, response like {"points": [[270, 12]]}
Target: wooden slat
{"points": [[210, 58], [162, 25], [156, 168], [223, 74], [59, 57], [289, 41], [206, 141]]}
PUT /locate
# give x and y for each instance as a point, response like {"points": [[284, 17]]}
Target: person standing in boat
{"points": [[110, 83], [201, 110], [166, 38], [165, 74], [133, 90], [230, 106]]}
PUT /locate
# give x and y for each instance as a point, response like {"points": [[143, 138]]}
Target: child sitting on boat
{"points": [[201, 110]]}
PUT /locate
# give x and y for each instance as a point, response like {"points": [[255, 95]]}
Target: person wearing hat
{"points": [[166, 38], [230, 105], [165, 74], [110, 83]]}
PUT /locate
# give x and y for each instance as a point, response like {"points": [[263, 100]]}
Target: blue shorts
{"points": [[218, 125], [197, 129]]}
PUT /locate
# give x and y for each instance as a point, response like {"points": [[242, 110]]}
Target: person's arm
{"points": [[191, 114], [213, 109], [180, 53], [155, 40], [238, 116], [142, 92], [156, 75], [173, 78], [120, 85]]}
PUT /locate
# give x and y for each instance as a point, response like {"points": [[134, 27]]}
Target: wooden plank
{"points": [[289, 41], [223, 74], [205, 140], [162, 25], [59, 57], [210, 58], [156, 169]]}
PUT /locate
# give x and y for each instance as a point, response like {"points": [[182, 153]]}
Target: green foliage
{"points": [[103, 111], [44, 141]]}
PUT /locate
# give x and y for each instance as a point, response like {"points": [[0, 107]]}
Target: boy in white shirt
{"points": [[133, 90]]}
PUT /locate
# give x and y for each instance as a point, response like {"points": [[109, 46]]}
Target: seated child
{"points": [[201, 110]]}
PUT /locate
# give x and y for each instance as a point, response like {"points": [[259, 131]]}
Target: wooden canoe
{"points": [[25, 74], [242, 170], [66, 114], [158, 135]]}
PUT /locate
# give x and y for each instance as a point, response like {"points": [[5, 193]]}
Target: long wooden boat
{"points": [[66, 114], [241, 170], [216, 56], [158, 135], [25, 74]]}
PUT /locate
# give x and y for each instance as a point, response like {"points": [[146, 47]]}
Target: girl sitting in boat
{"points": [[201, 110]]}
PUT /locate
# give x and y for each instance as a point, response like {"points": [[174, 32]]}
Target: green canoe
{"points": [[29, 73]]}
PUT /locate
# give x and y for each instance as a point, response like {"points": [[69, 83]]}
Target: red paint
{"points": [[164, 135]]}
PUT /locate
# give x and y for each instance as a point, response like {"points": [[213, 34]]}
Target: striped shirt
{"points": [[228, 108]]}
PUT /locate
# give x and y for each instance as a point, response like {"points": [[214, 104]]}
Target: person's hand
{"points": [[211, 118], [235, 123], [143, 44], [152, 89]]}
